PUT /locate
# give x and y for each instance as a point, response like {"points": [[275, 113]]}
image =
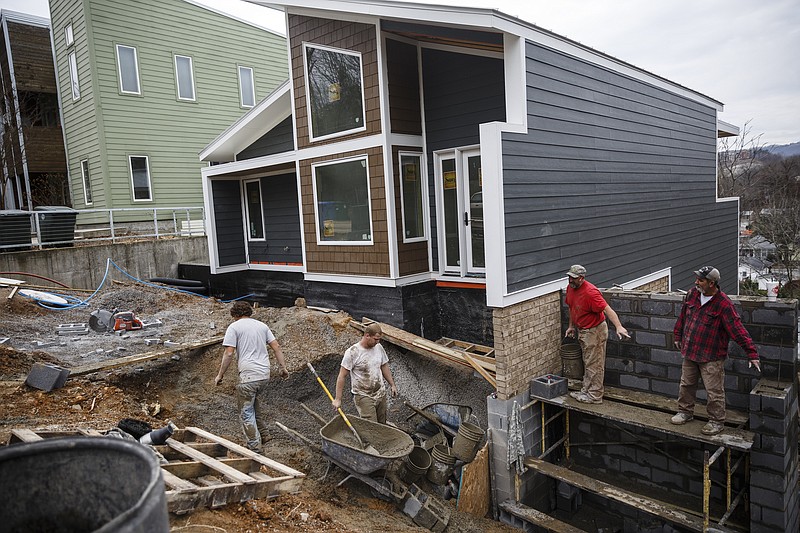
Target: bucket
{"points": [[467, 440], [571, 360], [82, 484], [772, 290], [416, 464], [442, 465]]}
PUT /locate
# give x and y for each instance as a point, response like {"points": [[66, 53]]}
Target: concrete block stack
{"points": [[774, 500]]}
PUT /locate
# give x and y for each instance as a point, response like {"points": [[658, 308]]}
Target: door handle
{"points": [[466, 218]]}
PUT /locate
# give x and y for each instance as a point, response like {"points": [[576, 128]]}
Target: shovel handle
{"points": [[344, 416]]}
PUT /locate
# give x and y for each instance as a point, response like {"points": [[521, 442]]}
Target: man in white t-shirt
{"points": [[367, 364], [249, 339]]}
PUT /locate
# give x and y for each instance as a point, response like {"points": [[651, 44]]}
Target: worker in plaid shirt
{"points": [[708, 321]]}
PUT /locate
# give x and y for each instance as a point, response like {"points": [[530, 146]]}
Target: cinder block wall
{"points": [[527, 337]]}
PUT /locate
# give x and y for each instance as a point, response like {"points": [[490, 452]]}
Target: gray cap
{"points": [[707, 272], [576, 271]]}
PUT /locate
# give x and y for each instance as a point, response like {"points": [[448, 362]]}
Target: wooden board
{"points": [[140, 358], [538, 518], [475, 493], [204, 470]]}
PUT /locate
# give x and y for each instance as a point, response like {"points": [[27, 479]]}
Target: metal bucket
{"points": [[468, 438], [572, 360], [442, 466], [82, 484], [416, 464]]}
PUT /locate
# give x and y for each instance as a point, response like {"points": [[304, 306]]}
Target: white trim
{"points": [[24, 18], [239, 69], [648, 278], [299, 189], [75, 84], [388, 174], [413, 279], [516, 85], [230, 268], [423, 182], [87, 193], [311, 137], [122, 90], [69, 35], [242, 20], [149, 180], [732, 130], [178, 78], [247, 217], [364, 158], [211, 226], [276, 268], [402, 139]]}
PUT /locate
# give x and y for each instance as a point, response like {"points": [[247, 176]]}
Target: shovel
{"points": [[341, 413]]}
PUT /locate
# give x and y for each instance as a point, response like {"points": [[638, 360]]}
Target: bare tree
{"points": [[741, 160]]}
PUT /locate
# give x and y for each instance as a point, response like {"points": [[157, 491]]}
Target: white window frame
{"points": [[73, 76], [422, 180], [365, 159], [149, 178], [69, 35], [363, 126], [247, 212], [87, 184], [178, 78], [138, 91], [240, 68]]}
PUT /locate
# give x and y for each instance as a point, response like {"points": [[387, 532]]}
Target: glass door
{"points": [[473, 216]]}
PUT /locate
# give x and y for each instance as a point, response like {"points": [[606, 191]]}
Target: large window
{"points": [[184, 77], [247, 87], [255, 214], [140, 178], [341, 193], [411, 192], [335, 91], [87, 182], [73, 76], [128, 66]]}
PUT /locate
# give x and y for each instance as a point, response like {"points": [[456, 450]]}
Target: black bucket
{"points": [[571, 360], [82, 484]]}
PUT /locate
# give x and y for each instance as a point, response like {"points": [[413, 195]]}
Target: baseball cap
{"points": [[707, 272], [576, 271]]}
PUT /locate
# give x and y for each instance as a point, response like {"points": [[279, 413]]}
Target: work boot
{"points": [[576, 393], [681, 418], [585, 398], [712, 428]]}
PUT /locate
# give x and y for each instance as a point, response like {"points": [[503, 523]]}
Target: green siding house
{"points": [[144, 86]]}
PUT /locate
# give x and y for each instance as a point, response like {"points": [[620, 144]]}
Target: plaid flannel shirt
{"points": [[703, 332]]}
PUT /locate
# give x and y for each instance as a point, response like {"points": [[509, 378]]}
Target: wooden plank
{"points": [[211, 449], [475, 492], [223, 469], [180, 502], [24, 435], [141, 358], [737, 439], [667, 511], [177, 483], [194, 469], [479, 369], [247, 453], [538, 518], [477, 349]]}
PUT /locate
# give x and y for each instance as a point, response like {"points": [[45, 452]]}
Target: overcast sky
{"points": [[738, 52]]}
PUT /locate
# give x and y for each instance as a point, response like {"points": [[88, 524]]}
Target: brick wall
{"points": [[659, 285], [527, 337]]}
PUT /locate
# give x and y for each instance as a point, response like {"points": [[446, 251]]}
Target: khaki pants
{"points": [[371, 408], [593, 345], [713, 375], [249, 405]]}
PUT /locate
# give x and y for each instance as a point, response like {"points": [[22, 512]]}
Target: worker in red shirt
{"points": [[708, 321], [587, 313]]}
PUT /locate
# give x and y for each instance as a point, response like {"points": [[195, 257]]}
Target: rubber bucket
{"points": [[416, 464], [571, 360], [442, 464], [468, 438], [82, 484]]}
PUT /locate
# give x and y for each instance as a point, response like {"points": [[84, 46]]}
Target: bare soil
{"points": [[181, 388]]}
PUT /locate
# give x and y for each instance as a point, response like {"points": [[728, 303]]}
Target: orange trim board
{"points": [[460, 285]]}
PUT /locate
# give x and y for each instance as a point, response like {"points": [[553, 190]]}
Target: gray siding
{"points": [[615, 174], [278, 140], [282, 242], [461, 92], [228, 222]]}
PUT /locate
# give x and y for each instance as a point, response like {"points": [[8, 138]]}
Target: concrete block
{"points": [[776, 500], [633, 382], [73, 330], [772, 316], [171, 344], [152, 324], [776, 406], [776, 445], [662, 324], [657, 308], [650, 370], [650, 339], [548, 386], [770, 462], [658, 355], [46, 376], [776, 520], [45, 344], [768, 480], [769, 425], [636, 322], [152, 342]]}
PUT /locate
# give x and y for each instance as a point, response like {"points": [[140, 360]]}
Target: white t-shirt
{"points": [[250, 338], [364, 365]]}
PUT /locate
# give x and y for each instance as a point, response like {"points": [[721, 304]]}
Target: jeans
{"points": [[250, 410], [713, 374]]}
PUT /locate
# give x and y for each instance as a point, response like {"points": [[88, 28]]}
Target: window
{"points": [[335, 92], [341, 194], [411, 193], [69, 37], [73, 76], [38, 109], [128, 66], [255, 215], [140, 177], [247, 87], [87, 183], [184, 77]]}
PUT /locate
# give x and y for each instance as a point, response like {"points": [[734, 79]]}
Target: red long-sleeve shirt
{"points": [[703, 332]]}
